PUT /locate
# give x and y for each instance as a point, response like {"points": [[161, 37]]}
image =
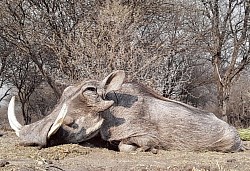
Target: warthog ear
{"points": [[113, 81]]}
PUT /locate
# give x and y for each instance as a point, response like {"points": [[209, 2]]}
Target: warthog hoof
{"points": [[126, 147]]}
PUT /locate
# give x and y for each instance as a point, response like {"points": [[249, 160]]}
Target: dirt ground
{"points": [[74, 157]]}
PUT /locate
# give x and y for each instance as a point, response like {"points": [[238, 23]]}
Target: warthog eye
{"points": [[90, 89]]}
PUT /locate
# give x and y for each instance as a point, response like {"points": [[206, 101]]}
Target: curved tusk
{"points": [[59, 120], [94, 128], [14, 124]]}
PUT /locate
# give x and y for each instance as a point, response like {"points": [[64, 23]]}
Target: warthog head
{"points": [[75, 118]]}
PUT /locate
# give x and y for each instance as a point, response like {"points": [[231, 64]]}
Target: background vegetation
{"points": [[195, 51]]}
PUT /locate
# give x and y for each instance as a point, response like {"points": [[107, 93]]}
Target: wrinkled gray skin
{"points": [[135, 116], [143, 120], [83, 121]]}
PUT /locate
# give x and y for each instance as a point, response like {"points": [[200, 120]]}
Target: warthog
{"points": [[131, 114]]}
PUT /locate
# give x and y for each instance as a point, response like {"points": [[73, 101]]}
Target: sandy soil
{"points": [[74, 157]]}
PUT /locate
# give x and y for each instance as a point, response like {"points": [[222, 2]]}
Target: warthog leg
{"points": [[126, 146]]}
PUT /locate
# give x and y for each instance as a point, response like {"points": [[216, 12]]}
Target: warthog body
{"points": [[140, 118], [134, 116]]}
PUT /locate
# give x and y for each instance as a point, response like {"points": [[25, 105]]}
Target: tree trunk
{"points": [[223, 88], [223, 100]]}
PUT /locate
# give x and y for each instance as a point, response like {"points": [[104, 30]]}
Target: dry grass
{"points": [[244, 134], [75, 157]]}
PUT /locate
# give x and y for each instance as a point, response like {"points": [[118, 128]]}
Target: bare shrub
{"points": [[239, 106], [173, 46]]}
